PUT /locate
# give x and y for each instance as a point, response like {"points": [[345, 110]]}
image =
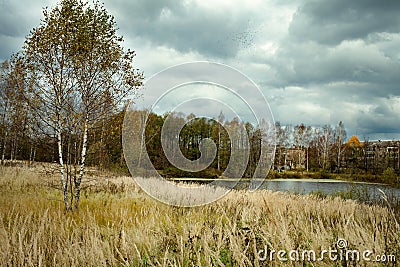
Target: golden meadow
{"points": [[119, 225]]}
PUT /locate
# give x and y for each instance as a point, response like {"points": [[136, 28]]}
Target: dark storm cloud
{"points": [[185, 26], [10, 25], [344, 55], [12, 30], [331, 41], [369, 124], [337, 58], [9, 45], [331, 22], [355, 61], [317, 62], [16, 20]]}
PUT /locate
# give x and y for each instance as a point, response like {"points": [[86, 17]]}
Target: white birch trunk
{"points": [[101, 146], [307, 159], [4, 122], [30, 155], [338, 157], [219, 148], [12, 150], [62, 167], [82, 167]]}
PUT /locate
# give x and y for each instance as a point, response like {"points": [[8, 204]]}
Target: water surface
{"points": [[357, 190]]}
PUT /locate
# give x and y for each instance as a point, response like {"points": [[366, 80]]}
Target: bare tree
{"points": [[299, 136], [282, 141], [339, 139], [323, 142], [5, 101], [307, 138], [14, 116]]}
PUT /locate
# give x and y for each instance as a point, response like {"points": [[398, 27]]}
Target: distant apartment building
{"points": [[381, 154], [290, 159]]}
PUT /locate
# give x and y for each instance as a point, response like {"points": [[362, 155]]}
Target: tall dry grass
{"points": [[118, 225]]}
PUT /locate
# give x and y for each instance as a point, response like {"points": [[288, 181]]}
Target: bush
{"points": [[389, 175]]}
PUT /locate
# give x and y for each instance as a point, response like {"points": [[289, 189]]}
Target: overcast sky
{"points": [[316, 62]]}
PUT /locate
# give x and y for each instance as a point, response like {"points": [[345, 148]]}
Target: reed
{"points": [[118, 225]]}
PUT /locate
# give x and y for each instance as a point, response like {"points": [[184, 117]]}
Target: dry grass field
{"points": [[118, 225]]}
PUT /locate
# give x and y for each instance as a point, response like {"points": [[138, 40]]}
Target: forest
{"points": [[301, 148]]}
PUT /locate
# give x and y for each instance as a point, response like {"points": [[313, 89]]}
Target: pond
{"points": [[363, 190], [366, 192]]}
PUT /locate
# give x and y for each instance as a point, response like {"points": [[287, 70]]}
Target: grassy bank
{"points": [[118, 225]]}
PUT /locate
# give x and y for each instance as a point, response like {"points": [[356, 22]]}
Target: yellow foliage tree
{"points": [[354, 142]]}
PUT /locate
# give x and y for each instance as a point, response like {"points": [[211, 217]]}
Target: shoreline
{"points": [[306, 180]]}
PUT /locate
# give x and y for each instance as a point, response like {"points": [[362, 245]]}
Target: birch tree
{"points": [[324, 143], [80, 72], [6, 96], [282, 142], [47, 50], [299, 138], [14, 116], [339, 136], [102, 69]]}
